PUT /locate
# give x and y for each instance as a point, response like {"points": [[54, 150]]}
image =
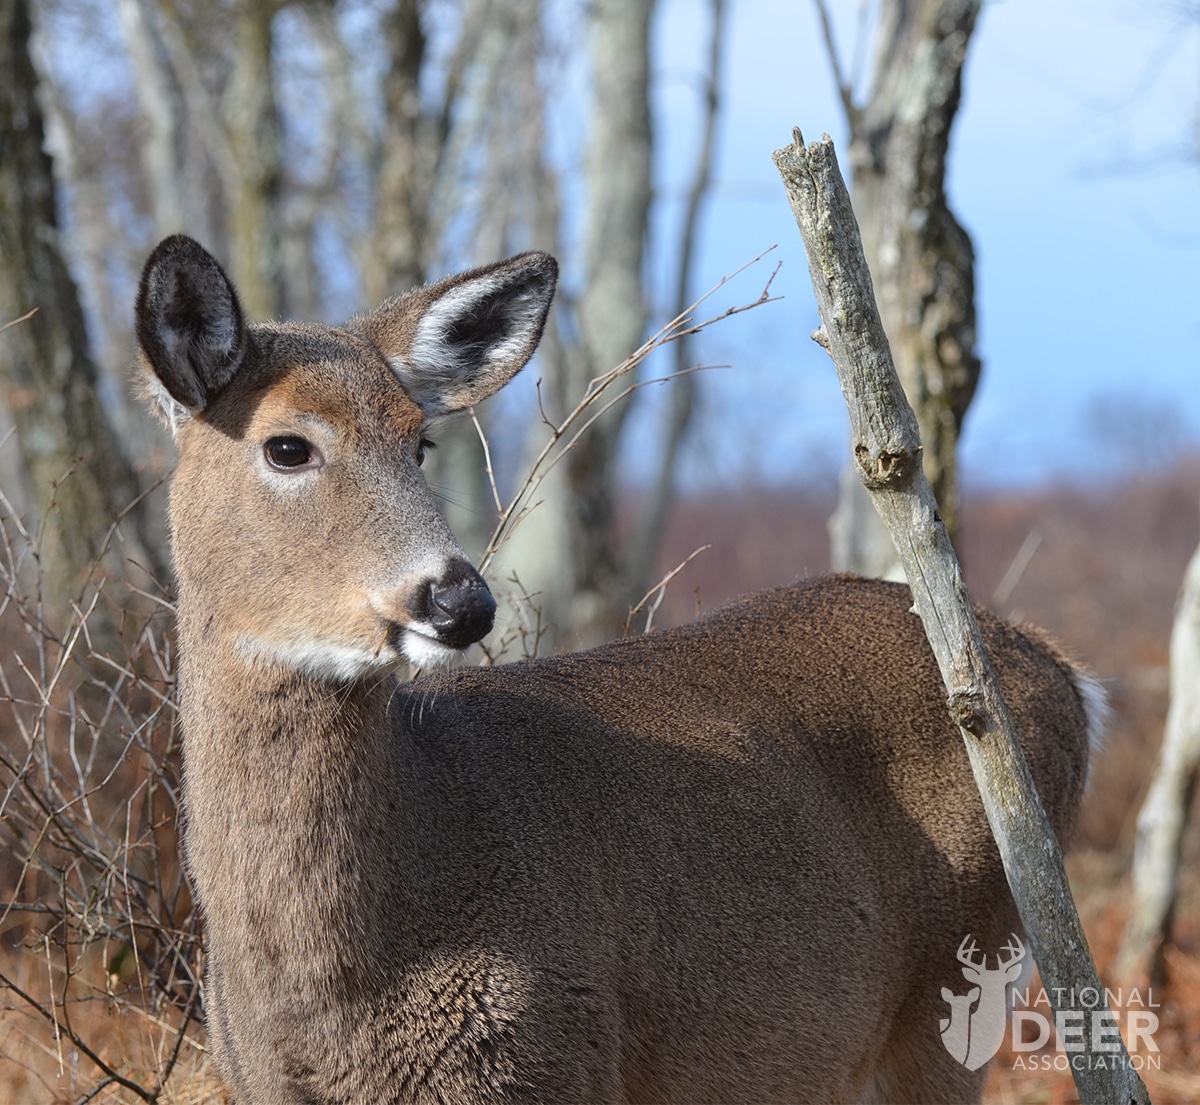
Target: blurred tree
{"points": [[921, 259], [78, 480], [334, 154], [564, 549], [253, 132], [163, 113], [1167, 806], [681, 407], [415, 136]]}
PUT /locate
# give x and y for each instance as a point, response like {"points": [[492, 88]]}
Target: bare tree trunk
{"points": [[78, 479], [683, 393], [201, 152], [612, 308], [162, 108], [1167, 806], [921, 259], [537, 552], [579, 574], [255, 142], [400, 249]]}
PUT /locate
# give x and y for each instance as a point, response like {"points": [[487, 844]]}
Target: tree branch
{"points": [[844, 87], [887, 452]]}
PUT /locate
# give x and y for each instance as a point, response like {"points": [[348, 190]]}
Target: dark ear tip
{"points": [[539, 264], [178, 252], [176, 249]]}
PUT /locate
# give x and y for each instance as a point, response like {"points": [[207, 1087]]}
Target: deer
{"points": [[726, 862]]}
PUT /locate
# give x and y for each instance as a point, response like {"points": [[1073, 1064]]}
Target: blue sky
{"points": [[1067, 169]]}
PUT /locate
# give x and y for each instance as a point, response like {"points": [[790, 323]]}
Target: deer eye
{"points": [[424, 446], [287, 452]]}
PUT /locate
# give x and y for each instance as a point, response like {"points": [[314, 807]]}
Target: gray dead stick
{"points": [[887, 452]]}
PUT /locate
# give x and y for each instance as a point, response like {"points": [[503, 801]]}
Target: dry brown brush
{"points": [[99, 939]]}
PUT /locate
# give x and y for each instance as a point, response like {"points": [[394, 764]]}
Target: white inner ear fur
{"points": [[173, 412], [220, 329], [434, 367]]}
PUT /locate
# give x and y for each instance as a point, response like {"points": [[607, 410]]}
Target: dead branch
{"points": [[887, 455], [658, 592]]}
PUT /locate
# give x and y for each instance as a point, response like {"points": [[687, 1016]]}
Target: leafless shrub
{"points": [[99, 939], [528, 626]]}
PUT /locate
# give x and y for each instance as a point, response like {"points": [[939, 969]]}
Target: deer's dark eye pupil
{"points": [[287, 452]]}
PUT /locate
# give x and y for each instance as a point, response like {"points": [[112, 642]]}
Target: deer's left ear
{"points": [[454, 343]]}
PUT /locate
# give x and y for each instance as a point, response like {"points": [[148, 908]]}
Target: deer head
{"points": [[297, 441]]}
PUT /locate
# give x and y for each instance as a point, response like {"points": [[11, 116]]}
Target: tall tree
{"points": [[921, 259], [564, 548], [163, 114], [77, 477], [681, 406], [256, 145]]}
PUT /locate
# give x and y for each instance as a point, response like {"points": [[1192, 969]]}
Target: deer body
{"points": [[729, 862]]}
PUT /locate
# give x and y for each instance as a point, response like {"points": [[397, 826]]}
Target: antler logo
{"points": [[973, 1036]]}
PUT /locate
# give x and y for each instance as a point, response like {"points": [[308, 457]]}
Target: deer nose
{"points": [[459, 607]]}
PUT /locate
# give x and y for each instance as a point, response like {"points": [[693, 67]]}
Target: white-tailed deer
{"points": [[726, 863]]}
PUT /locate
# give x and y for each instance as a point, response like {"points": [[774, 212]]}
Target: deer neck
{"points": [[292, 794]]}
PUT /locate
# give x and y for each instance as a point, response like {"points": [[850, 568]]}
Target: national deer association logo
{"points": [[1083, 1026]]}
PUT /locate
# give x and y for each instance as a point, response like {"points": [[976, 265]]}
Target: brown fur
{"points": [[726, 863]]}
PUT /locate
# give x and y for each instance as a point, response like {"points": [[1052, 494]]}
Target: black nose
{"points": [[459, 606]]}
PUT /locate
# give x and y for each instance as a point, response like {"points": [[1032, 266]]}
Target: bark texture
{"points": [[887, 451], [255, 143], [399, 255], [612, 307], [78, 480], [684, 393], [921, 259], [163, 112]]}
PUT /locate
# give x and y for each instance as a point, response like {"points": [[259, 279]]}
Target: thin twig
{"points": [[59, 1027], [590, 407], [24, 318], [487, 460], [658, 592]]}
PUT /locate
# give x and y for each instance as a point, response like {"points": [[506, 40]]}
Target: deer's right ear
{"points": [[189, 322]]}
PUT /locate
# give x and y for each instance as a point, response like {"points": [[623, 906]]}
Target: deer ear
{"points": [[456, 342], [189, 322]]}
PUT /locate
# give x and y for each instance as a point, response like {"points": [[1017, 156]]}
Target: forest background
{"points": [[332, 154]]}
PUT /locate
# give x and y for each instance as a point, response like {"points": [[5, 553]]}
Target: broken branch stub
{"points": [[887, 453]]}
